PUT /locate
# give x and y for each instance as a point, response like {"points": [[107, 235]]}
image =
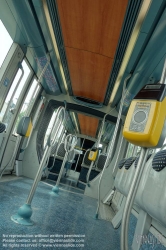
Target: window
{"points": [[50, 127], [28, 102], [14, 93], [30, 98], [5, 42]]}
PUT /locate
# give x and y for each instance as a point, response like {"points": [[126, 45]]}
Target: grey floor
{"points": [[70, 214]]}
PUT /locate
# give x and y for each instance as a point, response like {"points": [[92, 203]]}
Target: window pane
{"points": [[5, 42], [29, 100], [50, 127], [12, 97], [28, 103]]}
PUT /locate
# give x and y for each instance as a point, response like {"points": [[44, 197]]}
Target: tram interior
{"points": [[69, 71]]}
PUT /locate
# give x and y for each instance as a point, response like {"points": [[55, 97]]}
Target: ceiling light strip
{"points": [[142, 14], [54, 42]]}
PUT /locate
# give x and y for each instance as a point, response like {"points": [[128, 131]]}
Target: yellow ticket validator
{"points": [[145, 124], [93, 155]]}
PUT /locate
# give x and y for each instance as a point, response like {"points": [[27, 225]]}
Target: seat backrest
{"points": [[2, 127], [129, 162], [25, 126], [101, 161], [138, 199], [86, 162], [129, 170], [154, 193], [54, 148], [120, 173], [61, 150]]}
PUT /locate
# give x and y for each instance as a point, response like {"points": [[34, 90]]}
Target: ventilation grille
{"points": [[130, 19]]}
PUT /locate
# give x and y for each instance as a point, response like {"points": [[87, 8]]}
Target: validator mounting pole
{"points": [[131, 197]]}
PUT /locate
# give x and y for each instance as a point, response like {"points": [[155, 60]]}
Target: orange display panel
{"points": [[88, 125], [91, 29]]}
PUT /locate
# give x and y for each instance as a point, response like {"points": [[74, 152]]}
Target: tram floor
{"points": [[61, 222]]}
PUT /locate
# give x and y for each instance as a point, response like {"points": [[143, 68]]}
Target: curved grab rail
{"points": [[70, 143], [45, 156], [56, 125]]}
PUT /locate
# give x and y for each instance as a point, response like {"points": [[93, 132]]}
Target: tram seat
{"points": [[119, 174], [100, 162], [86, 162], [126, 175], [152, 195], [24, 127], [129, 170], [60, 153], [2, 130], [2, 127], [141, 188], [54, 148]]}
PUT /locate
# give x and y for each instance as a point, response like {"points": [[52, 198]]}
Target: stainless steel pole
{"points": [[130, 198], [117, 158], [52, 136], [89, 171], [38, 176], [62, 168], [79, 155]]}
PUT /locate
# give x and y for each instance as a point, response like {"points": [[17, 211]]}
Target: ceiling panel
{"points": [[88, 125], [91, 29], [92, 25], [89, 73]]}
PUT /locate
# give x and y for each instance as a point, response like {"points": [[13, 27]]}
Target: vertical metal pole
{"points": [[130, 198], [62, 168], [38, 176], [117, 158], [134, 152], [69, 145], [110, 150], [53, 134], [89, 171], [79, 156], [163, 76]]}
